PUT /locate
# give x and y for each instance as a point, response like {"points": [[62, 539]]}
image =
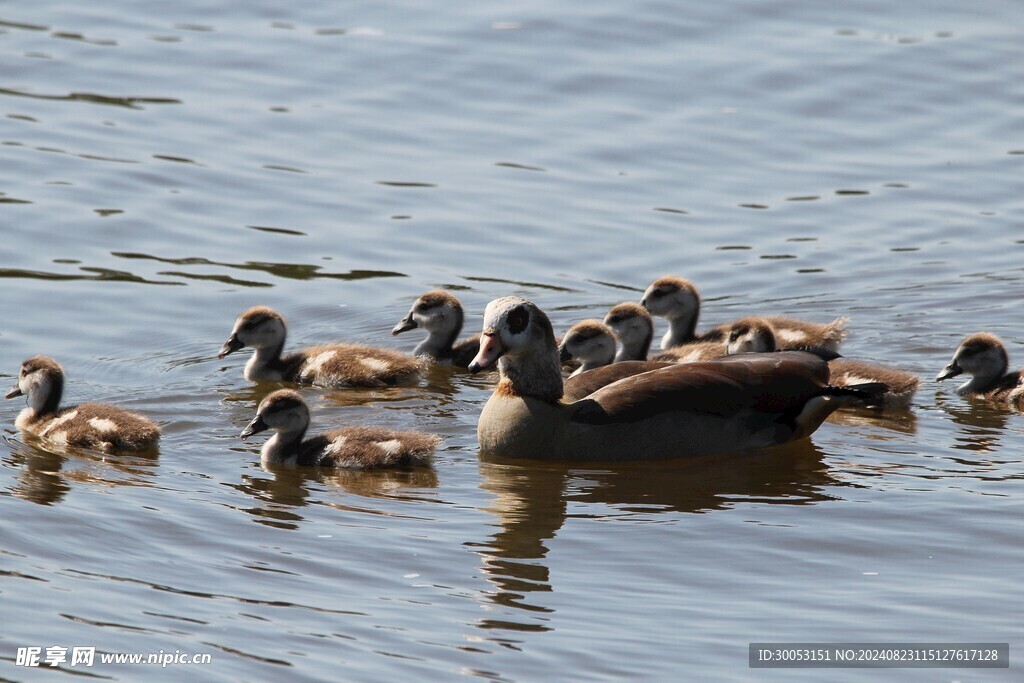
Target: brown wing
{"points": [[766, 382], [590, 381]]}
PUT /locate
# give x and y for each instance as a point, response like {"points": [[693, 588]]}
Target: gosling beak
{"points": [[951, 370], [563, 355], [491, 349], [405, 324], [16, 391], [643, 302], [255, 427], [230, 346]]}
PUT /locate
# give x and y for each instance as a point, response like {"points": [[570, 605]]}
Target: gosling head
{"points": [[632, 325], [981, 355], [591, 342], [513, 327], [751, 335], [283, 411], [437, 312], [42, 380], [672, 297], [259, 327]]}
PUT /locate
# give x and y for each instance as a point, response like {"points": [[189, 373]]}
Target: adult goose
{"points": [[88, 425], [327, 365], [677, 300], [728, 405], [984, 357], [440, 314], [757, 335]]}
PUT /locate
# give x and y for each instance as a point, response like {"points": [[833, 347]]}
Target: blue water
{"points": [[165, 168]]}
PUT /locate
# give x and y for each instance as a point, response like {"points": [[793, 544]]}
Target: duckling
{"points": [[331, 365], [88, 425], [757, 335], [677, 299], [984, 357], [589, 342], [440, 314], [727, 405], [633, 327], [354, 447]]}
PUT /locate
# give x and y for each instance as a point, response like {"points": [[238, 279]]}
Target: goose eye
{"points": [[518, 318]]}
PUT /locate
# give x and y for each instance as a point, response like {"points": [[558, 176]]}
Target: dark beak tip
{"points": [[474, 368]]}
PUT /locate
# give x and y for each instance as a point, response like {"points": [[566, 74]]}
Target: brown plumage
{"points": [[88, 425], [353, 447], [586, 383], [757, 335], [708, 408], [692, 353], [984, 357], [901, 385], [440, 313], [328, 365], [677, 300]]}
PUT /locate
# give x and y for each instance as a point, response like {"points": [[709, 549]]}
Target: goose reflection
{"points": [[46, 475], [530, 503]]}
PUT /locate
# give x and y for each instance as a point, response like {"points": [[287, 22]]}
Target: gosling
{"points": [[984, 357], [88, 425], [355, 447], [441, 315], [329, 365]]}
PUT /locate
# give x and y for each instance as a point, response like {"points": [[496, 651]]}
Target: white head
{"points": [[260, 327], [672, 297], [516, 328], [981, 355], [518, 337], [42, 380], [440, 314], [590, 342], [283, 411], [751, 335], [633, 327]]}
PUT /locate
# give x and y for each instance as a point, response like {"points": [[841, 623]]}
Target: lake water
{"points": [[166, 166]]}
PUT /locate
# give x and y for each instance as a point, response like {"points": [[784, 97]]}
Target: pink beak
{"points": [[491, 349]]}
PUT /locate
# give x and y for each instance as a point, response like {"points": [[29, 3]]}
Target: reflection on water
{"points": [[290, 487], [46, 471], [982, 424], [895, 420], [531, 503]]}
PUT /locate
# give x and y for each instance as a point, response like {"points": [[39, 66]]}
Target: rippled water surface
{"points": [[167, 165]]}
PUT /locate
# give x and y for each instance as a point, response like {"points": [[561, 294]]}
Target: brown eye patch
{"points": [[518, 318], [738, 332]]}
